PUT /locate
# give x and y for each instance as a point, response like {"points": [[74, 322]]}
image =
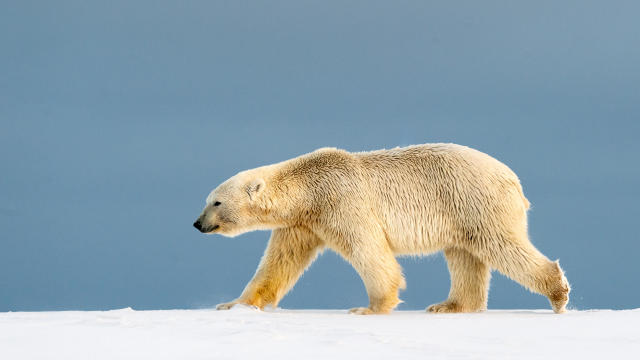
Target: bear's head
{"points": [[237, 206]]}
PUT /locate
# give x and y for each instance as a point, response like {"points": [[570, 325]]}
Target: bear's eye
{"points": [[217, 203]]}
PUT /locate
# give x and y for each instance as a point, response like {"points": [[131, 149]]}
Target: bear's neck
{"points": [[304, 185]]}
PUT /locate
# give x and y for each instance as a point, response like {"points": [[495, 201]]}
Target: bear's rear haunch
{"points": [[370, 207]]}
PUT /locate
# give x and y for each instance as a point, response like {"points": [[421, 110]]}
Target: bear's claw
{"points": [[453, 307], [443, 308], [226, 306], [361, 311]]}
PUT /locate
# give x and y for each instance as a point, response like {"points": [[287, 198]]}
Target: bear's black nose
{"points": [[198, 225]]}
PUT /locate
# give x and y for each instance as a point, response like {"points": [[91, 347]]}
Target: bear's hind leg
{"points": [[470, 279], [519, 260]]}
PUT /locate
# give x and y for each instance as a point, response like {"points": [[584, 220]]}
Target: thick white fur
{"points": [[373, 206]]}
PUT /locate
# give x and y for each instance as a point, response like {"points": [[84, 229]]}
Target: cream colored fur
{"points": [[373, 206]]}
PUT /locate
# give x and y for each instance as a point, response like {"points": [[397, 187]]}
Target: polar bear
{"points": [[370, 207]]}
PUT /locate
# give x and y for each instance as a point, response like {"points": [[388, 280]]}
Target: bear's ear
{"points": [[254, 188]]}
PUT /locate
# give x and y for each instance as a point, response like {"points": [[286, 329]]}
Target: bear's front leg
{"points": [[469, 283], [383, 284], [377, 266], [289, 253]]}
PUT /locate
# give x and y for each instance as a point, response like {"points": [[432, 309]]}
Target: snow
{"points": [[244, 333]]}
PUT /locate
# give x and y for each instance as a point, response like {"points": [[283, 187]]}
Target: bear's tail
{"points": [[526, 202]]}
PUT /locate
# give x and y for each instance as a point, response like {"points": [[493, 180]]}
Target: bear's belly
{"points": [[419, 240]]}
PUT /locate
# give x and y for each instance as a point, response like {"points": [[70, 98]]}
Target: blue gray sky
{"points": [[117, 118]]}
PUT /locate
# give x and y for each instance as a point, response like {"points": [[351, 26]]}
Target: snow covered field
{"points": [[245, 333]]}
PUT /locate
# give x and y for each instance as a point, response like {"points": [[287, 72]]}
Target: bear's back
{"points": [[434, 160], [423, 193]]}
